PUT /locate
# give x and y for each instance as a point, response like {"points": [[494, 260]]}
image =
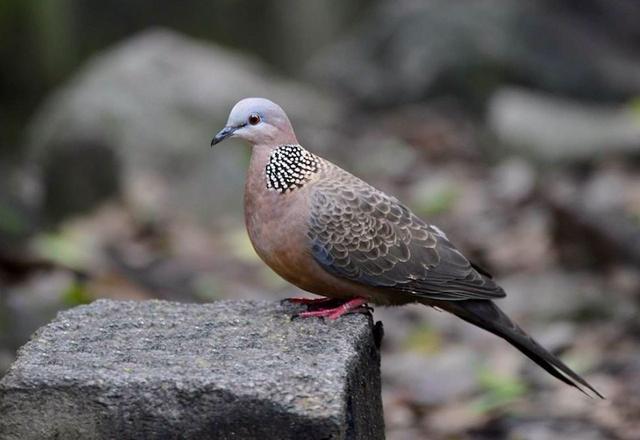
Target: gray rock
{"points": [[513, 180], [552, 294], [152, 104], [225, 370], [597, 216], [431, 379], [407, 49], [18, 206], [549, 128]]}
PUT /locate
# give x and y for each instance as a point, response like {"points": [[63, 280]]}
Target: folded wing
{"points": [[359, 233]]}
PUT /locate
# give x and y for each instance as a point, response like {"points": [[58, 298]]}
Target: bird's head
{"points": [[259, 122]]}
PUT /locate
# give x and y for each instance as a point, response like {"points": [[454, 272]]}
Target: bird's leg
{"points": [[336, 312], [308, 301]]}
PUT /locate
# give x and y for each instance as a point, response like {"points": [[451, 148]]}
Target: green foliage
{"points": [[498, 391], [440, 201], [423, 339], [634, 106], [61, 249], [76, 294]]}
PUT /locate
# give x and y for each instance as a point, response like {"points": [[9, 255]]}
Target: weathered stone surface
{"points": [[225, 370]]}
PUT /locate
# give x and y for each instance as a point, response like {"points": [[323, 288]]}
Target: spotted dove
{"points": [[332, 234]]}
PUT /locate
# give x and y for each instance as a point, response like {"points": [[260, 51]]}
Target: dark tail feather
{"points": [[485, 314]]}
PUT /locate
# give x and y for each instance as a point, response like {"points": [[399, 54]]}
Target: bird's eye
{"points": [[254, 119]]}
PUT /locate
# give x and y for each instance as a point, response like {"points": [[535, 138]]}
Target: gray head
{"points": [[258, 121]]}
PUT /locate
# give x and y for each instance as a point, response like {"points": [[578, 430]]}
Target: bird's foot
{"points": [[351, 306]]}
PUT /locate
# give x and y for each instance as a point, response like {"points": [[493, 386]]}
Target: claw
{"points": [[353, 305]]}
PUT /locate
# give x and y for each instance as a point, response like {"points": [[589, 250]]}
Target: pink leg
{"points": [[336, 312], [309, 301]]}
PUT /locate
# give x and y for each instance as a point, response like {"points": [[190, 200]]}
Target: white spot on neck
{"points": [[290, 167]]}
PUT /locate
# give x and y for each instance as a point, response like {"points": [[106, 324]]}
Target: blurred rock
{"points": [[525, 242], [386, 157], [405, 50], [597, 220], [77, 176], [605, 190], [17, 221], [553, 294], [18, 205], [432, 380], [626, 279], [152, 104], [556, 336], [513, 180], [549, 128]]}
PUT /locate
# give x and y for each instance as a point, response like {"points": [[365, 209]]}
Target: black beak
{"points": [[223, 134]]}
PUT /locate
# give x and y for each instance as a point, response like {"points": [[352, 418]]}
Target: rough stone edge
{"points": [[366, 423]]}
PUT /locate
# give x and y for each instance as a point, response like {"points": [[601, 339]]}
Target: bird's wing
{"points": [[359, 233]]}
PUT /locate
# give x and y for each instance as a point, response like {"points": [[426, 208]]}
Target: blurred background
{"points": [[513, 125]]}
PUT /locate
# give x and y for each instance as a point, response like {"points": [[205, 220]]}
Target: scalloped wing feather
{"points": [[359, 233]]}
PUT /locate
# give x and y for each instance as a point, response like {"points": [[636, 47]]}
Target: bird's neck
{"points": [[259, 158], [284, 168]]}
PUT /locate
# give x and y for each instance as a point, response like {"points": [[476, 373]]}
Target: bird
{"points": [[332, 234]]}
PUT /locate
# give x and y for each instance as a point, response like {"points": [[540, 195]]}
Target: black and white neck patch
{"points": [[290, 167]]}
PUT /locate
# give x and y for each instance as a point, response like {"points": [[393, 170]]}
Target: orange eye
{"points": [[254, 119]]}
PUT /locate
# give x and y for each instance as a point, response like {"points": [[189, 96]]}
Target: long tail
{"points": [[485, 314]]}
